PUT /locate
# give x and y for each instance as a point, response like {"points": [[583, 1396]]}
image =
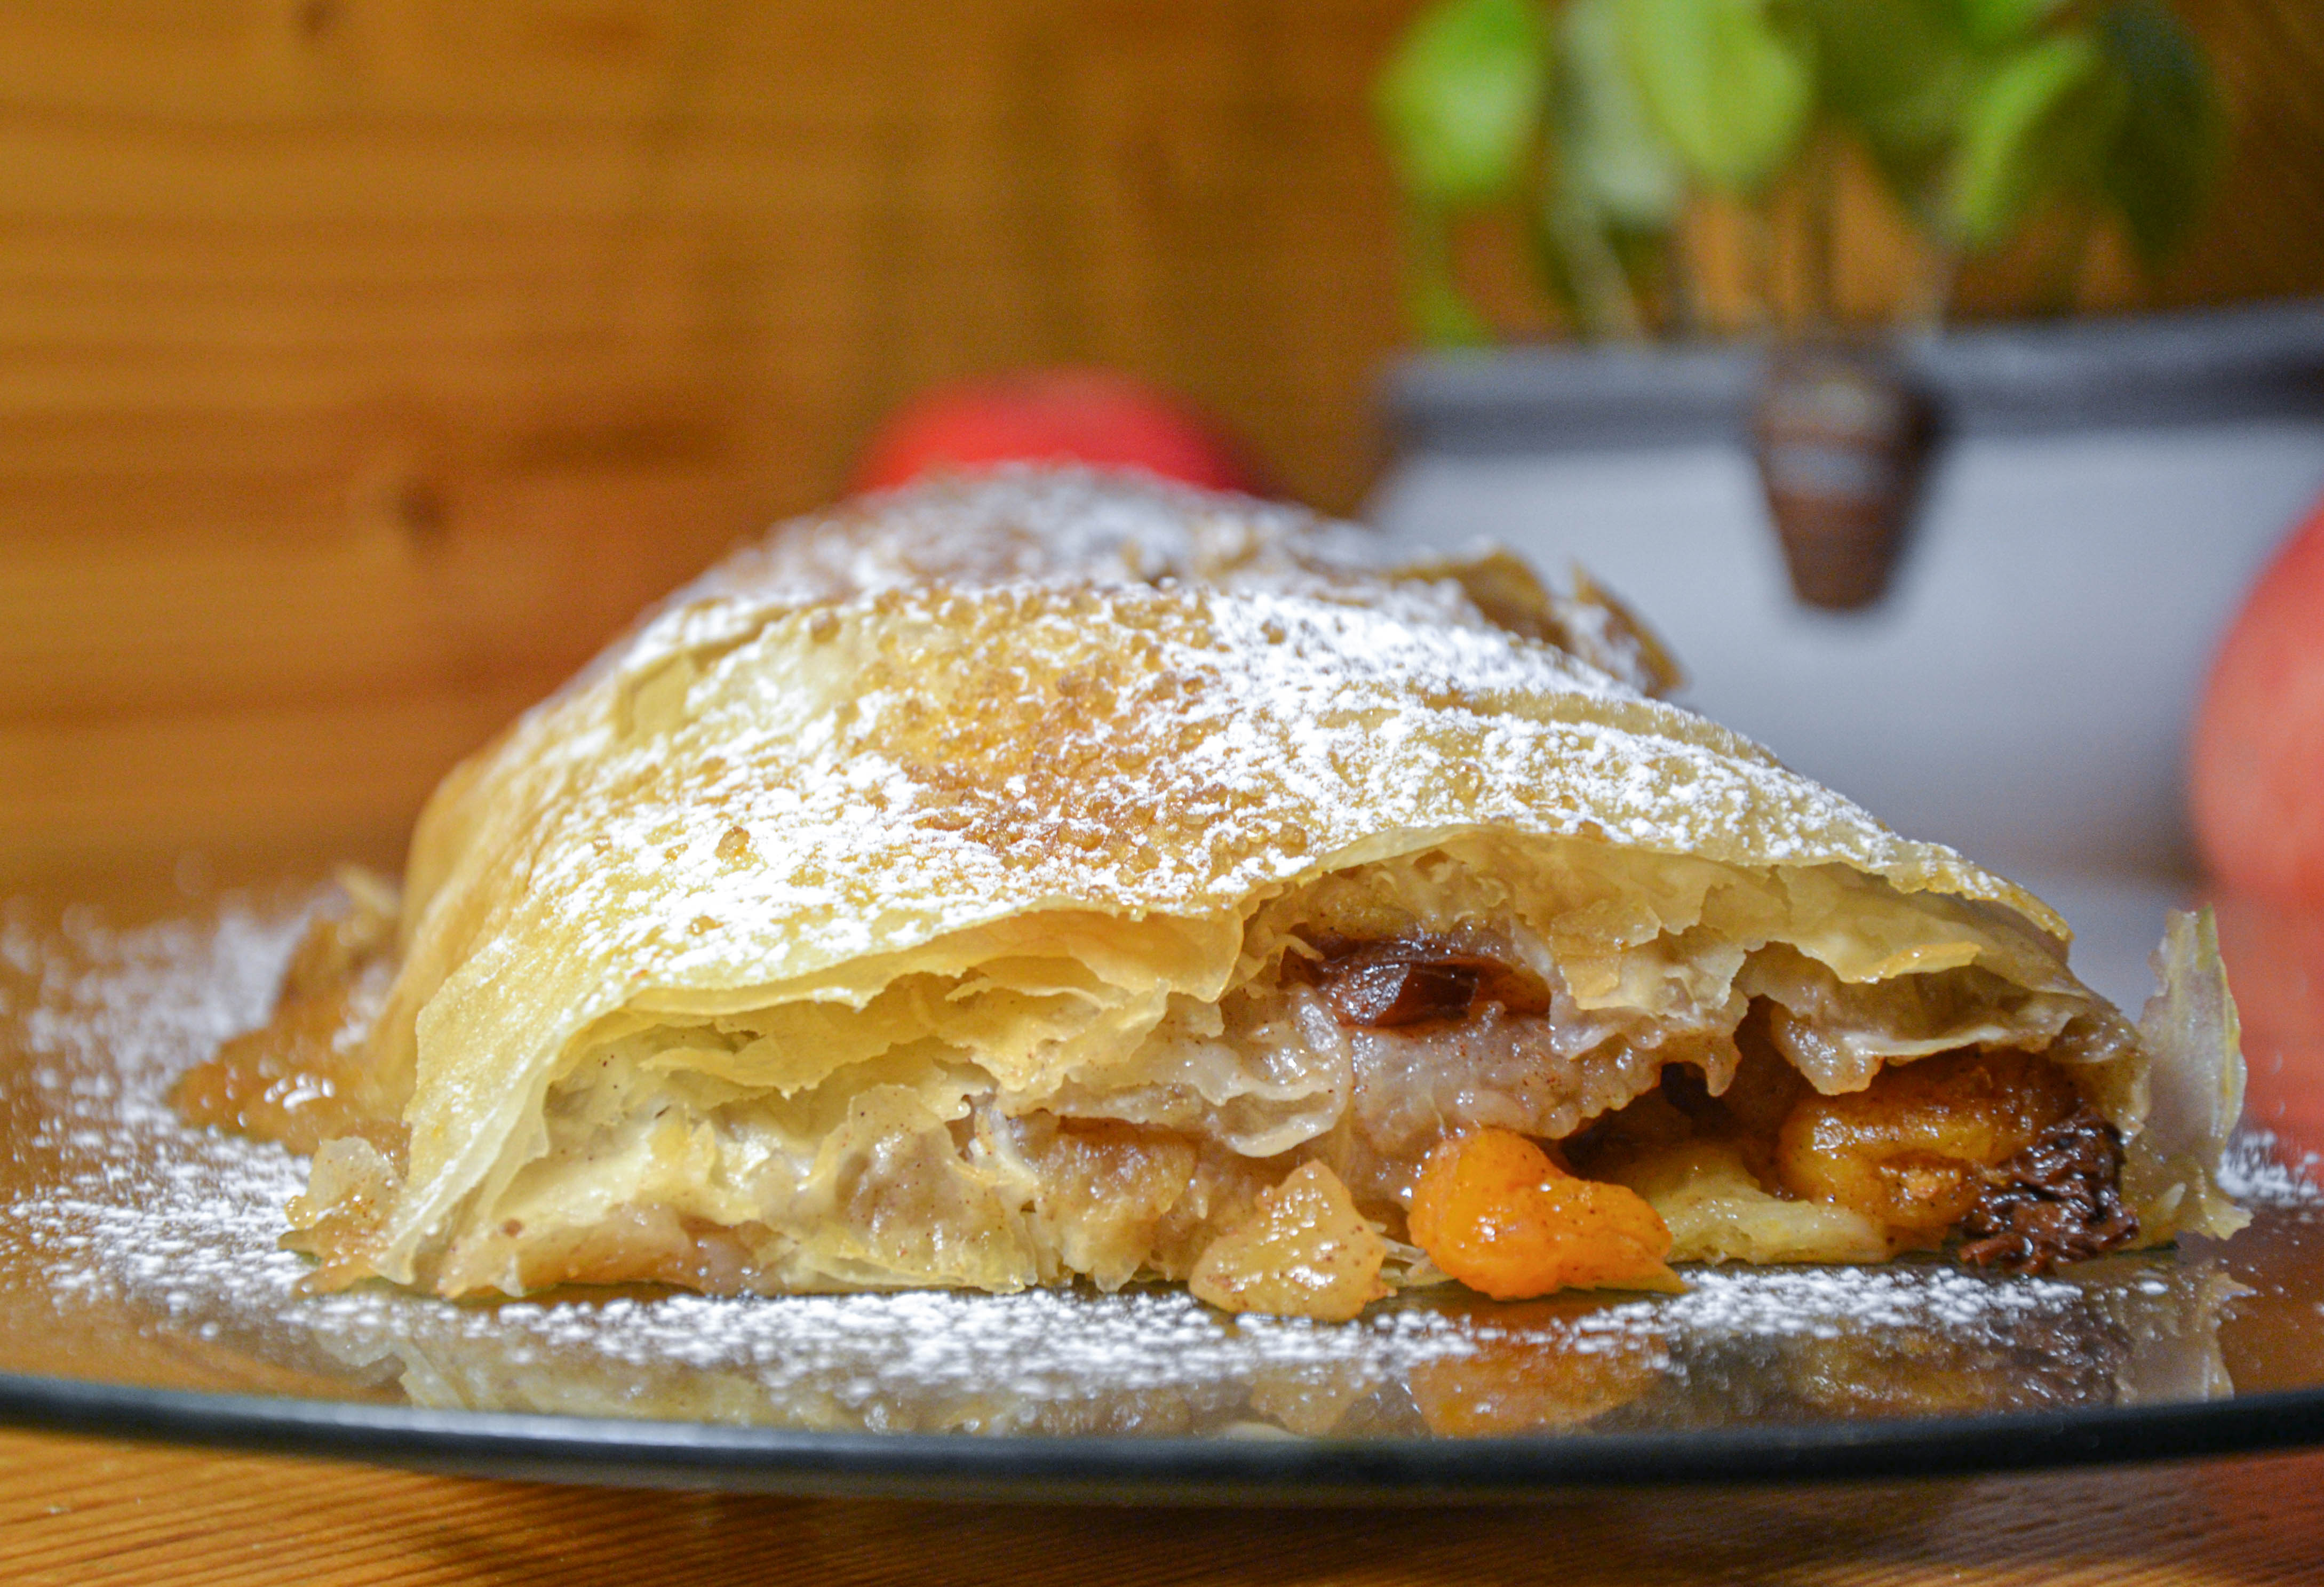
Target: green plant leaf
{"points": [[1898, 72], [1441, 311], [1728, 86], [1993, 24], [2166, 158], [1609, 156], [2038, 125], [1460, 100], [1577, 265], [1611, 186], [1443, 314]]}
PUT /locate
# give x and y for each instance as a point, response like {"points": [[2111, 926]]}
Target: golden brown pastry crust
{"points": [[956, 794]]}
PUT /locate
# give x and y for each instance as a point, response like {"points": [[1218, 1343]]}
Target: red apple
{"points": [[1051, 415], [2257, 775], [2274, 955]]}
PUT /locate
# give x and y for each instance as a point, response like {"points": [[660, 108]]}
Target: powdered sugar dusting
{"points": [[1039, 688], [132, 1222], [2259, 1170]]}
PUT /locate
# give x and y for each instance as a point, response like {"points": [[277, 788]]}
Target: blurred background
{"points": [[365, 363]]}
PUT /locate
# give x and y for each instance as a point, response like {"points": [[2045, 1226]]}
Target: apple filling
{"points": [[1522, 1076]]}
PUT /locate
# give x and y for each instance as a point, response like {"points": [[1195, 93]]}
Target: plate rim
{"points": [[608, 1450]]}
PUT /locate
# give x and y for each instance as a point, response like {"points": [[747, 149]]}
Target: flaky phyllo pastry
{"points": [[1065, 878]]}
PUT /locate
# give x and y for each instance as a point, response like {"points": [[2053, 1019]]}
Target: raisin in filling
{"points": [[1384, 985], [2059, 1200]]}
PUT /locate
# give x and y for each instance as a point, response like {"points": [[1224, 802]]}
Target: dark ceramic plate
{"points": [[141, 1295]]}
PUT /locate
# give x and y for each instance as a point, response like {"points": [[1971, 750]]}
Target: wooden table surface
{"points": [[79, 1510]]}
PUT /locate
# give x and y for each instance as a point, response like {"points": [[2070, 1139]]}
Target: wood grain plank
{"points": [[357, 324], [74, 460], [89, 791], [79, 1510], [502, 576], [346, 170], [290, 251], [254, 61]]}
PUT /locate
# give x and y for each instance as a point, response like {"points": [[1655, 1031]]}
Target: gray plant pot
{"points": [[2104, 493]]}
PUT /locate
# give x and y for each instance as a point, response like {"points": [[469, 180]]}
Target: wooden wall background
{"points": [[363, 363]]}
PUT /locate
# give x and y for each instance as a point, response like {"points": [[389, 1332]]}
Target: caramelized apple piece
{"points": [[1305, 1252], [1105, 1188], [338, 1218], [1494, 1211], [303, 1077], [1913, 1151]]}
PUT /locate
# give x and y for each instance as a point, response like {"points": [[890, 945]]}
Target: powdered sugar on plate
{"points": [[2259, 1171]]}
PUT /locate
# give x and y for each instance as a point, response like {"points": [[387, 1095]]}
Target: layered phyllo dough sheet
{"points": [[1059, 879]]}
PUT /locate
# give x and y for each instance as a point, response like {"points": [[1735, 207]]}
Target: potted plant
{"points": [[1596, 123], [2105, 489]]}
